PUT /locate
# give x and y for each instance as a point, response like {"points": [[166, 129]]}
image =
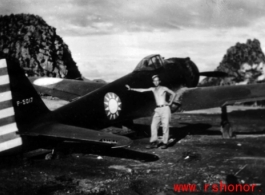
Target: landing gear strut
{"points": [[226, 128]]}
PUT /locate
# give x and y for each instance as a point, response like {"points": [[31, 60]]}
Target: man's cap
{"points": [[154, 76]]}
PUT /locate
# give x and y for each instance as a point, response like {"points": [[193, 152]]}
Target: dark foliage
{"points": [[244, 61]]}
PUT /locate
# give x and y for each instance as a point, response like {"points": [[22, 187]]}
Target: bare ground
{"points": [[198, 155]]}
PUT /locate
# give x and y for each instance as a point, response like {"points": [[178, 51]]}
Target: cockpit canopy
{"points": [[149, 63]]}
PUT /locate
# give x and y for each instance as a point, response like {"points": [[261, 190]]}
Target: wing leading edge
{"points": [[72, 133], [209, 97]]}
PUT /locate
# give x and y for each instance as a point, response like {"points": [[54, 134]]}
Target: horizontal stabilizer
{"points": [[214, 74], [72, 133]]}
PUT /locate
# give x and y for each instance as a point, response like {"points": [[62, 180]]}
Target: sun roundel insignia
{"points": [[112, 105]]}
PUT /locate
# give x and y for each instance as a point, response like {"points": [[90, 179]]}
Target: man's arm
{"points": [[179, 93], [172, 95], [138, 89]]}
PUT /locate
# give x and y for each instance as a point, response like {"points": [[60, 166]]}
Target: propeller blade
{"points": [[214, 74]]}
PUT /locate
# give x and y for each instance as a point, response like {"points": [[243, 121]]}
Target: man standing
{"points": [[162, 112]]}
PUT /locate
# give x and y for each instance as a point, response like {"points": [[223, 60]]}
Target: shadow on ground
{"points": [[101, 150]]}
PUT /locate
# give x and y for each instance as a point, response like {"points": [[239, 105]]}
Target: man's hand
{"points": [[169, 104], [128, 87]]}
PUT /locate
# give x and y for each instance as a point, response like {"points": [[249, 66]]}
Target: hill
{"points": [[37, 47]]}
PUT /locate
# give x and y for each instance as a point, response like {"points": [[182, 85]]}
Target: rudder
{"points": [[9, 138], [20, 103]]}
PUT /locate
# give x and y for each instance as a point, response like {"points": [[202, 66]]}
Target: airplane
{"points": [[173, 72], [26, 122]]}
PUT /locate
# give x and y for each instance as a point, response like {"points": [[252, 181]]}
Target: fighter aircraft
{"points": [[26, 123], [111, 102]]}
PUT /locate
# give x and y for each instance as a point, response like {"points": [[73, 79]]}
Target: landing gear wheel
{"points": [[55, 154], [48, 156], [226, 130]]}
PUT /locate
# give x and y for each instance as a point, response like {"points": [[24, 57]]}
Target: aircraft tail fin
{"points": [[20, 104]]}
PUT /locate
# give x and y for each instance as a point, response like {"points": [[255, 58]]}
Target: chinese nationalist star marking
{"points": [[112, 105]]}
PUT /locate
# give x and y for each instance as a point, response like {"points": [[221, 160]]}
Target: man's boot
{"points": [[164, 146], [152, 145]]}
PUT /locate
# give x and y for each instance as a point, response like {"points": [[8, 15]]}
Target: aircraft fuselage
{"points": [[113, 103]]}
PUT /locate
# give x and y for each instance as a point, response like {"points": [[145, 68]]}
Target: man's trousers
{"points": [[162, 115]]}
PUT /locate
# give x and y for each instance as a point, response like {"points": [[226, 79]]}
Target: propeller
{"points": [[214, 74]]}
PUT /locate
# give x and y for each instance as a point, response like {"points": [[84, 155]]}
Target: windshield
{"points": [[149, 63]]}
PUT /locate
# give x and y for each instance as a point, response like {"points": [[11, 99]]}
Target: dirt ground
{"points": [[197, 156]]}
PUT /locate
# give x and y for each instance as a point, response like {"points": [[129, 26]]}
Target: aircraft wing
{"points": [[217, 96], [66, 89], [72, 133]]}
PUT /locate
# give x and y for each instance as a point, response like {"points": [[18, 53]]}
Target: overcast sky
{"points": [[108, 38]]}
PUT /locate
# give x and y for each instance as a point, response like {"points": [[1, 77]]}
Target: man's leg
{"points": [[154, 127], [166, 117]]}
